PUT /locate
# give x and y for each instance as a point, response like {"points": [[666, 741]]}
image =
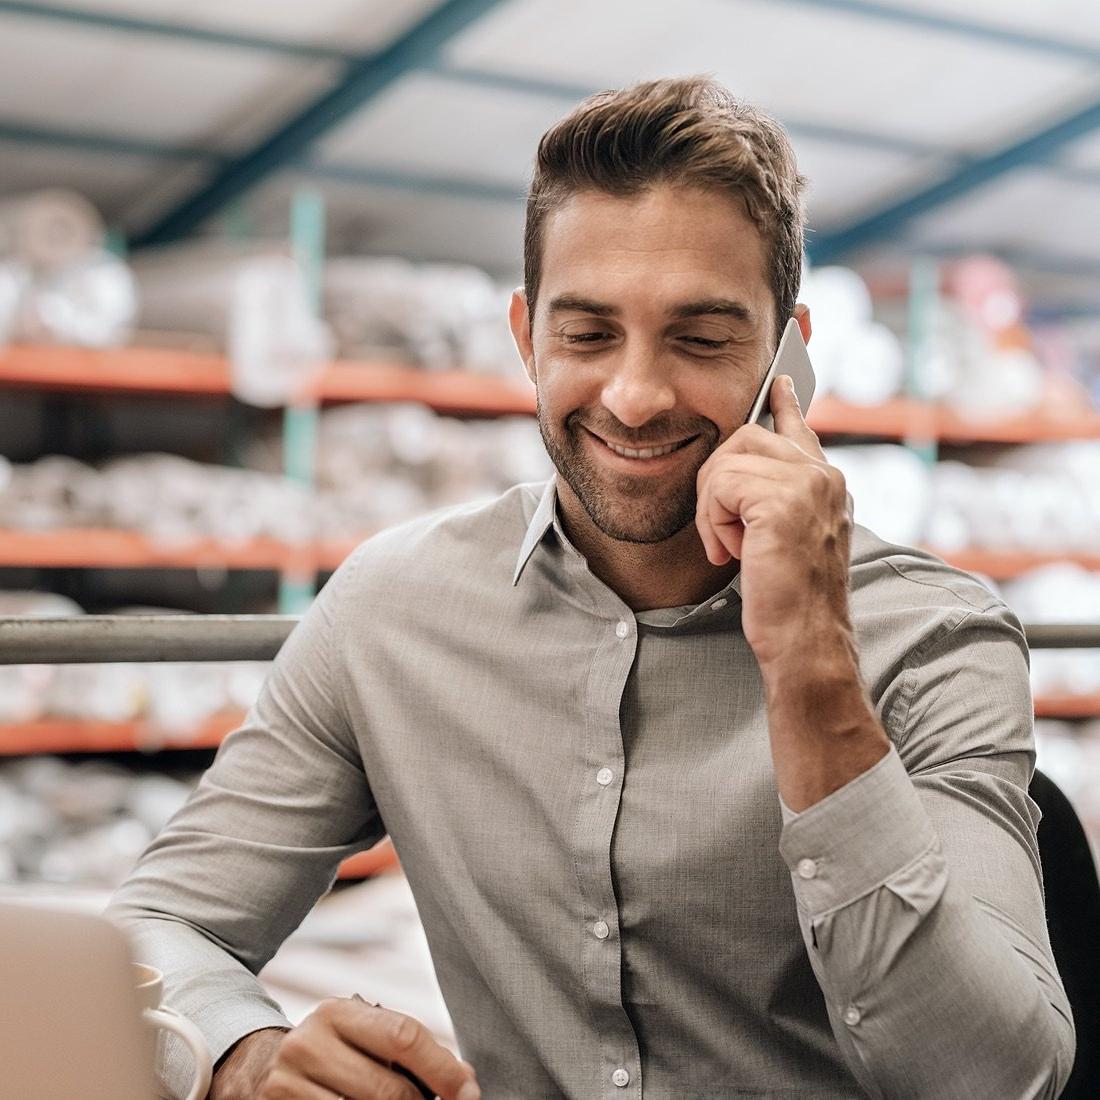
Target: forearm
{"points": [[202, 981], [931, 990], [823, 729]]}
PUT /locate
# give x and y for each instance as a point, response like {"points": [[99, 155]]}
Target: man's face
{"points": [[654, 326]]}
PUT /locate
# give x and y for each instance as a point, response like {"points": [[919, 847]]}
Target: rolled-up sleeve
{"points": [[919, 889], [260, 840]]}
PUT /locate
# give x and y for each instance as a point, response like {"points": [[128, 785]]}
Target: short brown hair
{"points": [[687, 131]]}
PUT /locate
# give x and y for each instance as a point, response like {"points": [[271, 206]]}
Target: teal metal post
{"points": [[298, 583], [924, 296]]}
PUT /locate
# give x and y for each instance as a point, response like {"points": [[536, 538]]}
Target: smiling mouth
{"points": [[643, 452]]}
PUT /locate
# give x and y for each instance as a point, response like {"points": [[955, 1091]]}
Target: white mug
{"points": [[150, 988]]}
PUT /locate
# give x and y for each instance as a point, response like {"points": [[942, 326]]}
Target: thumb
{"points": [[788, 418]]}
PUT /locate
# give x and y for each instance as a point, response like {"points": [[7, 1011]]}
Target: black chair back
{"points": [[1073, 918]]}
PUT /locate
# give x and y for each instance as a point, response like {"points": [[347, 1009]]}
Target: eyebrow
{"points": [[704, 307], [573, 303], [710, 307]]}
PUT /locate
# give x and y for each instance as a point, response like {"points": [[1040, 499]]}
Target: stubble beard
{"points": [[624, 507]]}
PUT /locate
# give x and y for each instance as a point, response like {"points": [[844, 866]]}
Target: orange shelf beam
{"points": [[172, 371], [1006, 564], [115, 370], [374, 861], [45, 735], [92, 548], [150, 370], [1068, 706], [96, 548], [444, 391]]}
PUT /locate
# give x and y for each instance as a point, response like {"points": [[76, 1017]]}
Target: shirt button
{"points": [[620, 1077], [807, 868], [604, 776], [623, 629], [852, 1016], [718, 605], [600, 930]]}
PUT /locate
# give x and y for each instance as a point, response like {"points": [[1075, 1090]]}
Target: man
{"points": [[701, 792]]}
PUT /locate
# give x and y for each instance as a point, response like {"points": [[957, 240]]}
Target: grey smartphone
{"points": [[791, 358]]}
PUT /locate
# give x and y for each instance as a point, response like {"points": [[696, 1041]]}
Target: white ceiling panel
{"points": [[1074, 21], [845, 182], [926, 86], [162, 90], [1084, 153], [438, 126], [349, 24], [1030, 209]]}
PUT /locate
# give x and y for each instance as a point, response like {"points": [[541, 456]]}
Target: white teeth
{"points": [[645, 452]]}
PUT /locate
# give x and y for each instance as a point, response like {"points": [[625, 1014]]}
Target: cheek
{"points": [[566, 386]]}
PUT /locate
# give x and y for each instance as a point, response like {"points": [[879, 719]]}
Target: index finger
{"points": [[395, 1037]]}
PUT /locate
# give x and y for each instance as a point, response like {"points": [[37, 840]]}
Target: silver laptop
{"points": [[70, 1024]]}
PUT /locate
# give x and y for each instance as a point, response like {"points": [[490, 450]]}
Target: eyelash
{"points": [[597, 337]]}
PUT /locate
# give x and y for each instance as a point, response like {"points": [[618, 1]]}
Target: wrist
{"points": [[242, 1069], [822, 653]]}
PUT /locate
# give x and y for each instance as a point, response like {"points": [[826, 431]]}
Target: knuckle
{"points": [[277, 1086], [293, 1046], [328, 1008], [393, 1087], [404, 1032]]}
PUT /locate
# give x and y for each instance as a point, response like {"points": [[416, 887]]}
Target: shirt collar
{"points": [[546, 515]]}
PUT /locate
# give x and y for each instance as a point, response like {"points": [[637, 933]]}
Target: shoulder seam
{"points": [[994, 600]]}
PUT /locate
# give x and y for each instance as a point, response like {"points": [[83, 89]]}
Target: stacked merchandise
{"points": [[58, 283], [376, 465], [251, 302], [438, 316]]}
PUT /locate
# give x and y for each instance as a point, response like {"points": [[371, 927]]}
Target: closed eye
{"points": [[703, 342], [584, 337]]}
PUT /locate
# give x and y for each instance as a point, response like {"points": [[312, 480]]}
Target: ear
{"points": [[520, 321], [802, 316]]}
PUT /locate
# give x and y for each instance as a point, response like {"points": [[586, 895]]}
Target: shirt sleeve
{"points": [[919, 889], [259, 841]]}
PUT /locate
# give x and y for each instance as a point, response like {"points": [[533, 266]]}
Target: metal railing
{"points": [[92, 639]]}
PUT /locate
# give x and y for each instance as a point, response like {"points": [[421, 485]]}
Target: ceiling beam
{"points": [[159, 28], [967, 28], [362, 81], [887, 222]]}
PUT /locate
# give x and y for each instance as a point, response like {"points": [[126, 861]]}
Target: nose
{"points": [[637, 389]]}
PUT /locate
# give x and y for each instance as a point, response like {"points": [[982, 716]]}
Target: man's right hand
{"points": [[345, 1048]]}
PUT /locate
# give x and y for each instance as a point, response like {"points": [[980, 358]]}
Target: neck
{"points": [[645, 575]]}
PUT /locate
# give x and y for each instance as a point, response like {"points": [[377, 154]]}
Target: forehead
{"points": [[664, 245]]}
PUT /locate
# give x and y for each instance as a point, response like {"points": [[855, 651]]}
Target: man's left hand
{"points": [[771, 500]]}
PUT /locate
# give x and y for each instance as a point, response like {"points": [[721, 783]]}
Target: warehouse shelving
{"points": [[160, 371], [156, 371], [77, 735], [103, 548]]}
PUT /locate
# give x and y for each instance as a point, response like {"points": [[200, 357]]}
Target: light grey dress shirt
{"points": [[617, 903]]}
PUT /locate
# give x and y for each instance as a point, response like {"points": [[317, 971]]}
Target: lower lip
{"points": [[639, 465]]}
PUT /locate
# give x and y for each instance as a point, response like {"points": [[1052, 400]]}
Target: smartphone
{"points": [[791, 359]]}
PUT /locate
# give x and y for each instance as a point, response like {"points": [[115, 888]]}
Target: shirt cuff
{"points": [[222, 1025], [855, 839]]}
